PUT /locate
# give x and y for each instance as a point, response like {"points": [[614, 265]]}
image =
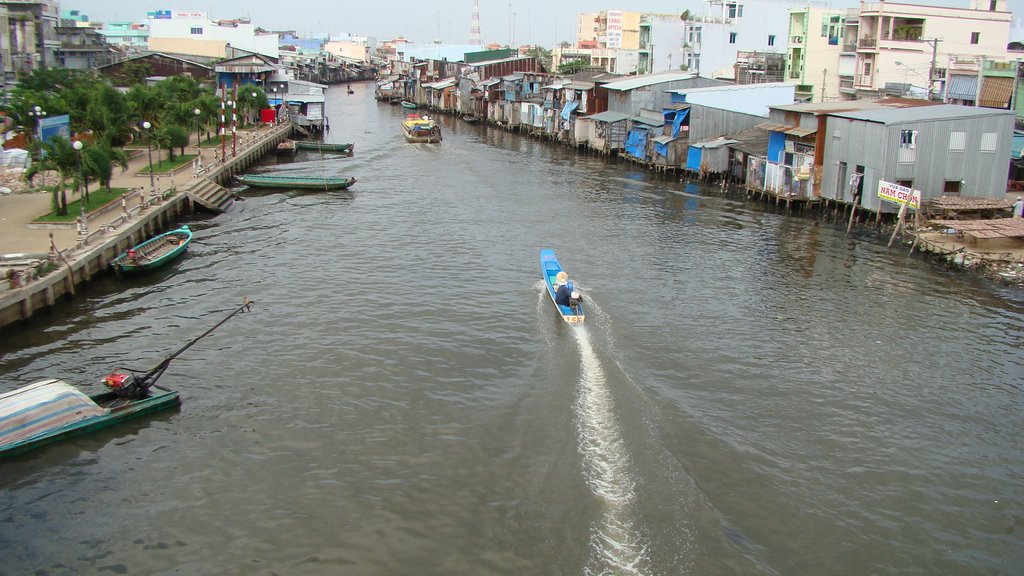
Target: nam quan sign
{"points": [[899, 194]]}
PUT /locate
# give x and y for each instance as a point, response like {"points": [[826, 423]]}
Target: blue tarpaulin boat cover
{"points": [[636, 143], [42, 407], [568, 108]]}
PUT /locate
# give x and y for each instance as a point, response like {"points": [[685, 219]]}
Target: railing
{"points": [[850, 47], [867, 42], [796, 40]]}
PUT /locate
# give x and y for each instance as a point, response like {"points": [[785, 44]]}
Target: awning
{"points": [[995, 92], [801, 132], [609, 117], [773, 127], [662, 139], [647, 121], [962, 87]]}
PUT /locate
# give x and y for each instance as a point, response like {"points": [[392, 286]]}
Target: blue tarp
{"points": [[568, 108], [776, 145], [693, 158], [636, 143], [661, 149], [678, 121]]}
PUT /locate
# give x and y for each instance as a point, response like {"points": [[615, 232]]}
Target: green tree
{"points": [[59, 156], [176, 137], [133, 73]]}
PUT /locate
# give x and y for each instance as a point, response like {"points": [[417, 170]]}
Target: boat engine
{"points": [[575, 299], [123, 385]]}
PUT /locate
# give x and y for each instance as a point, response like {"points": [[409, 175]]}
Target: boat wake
{"points": [[616, 544]]}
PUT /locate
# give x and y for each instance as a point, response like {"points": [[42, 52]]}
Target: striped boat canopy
{"points": [[42, 407]]}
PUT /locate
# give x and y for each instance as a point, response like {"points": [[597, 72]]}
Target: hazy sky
{"points": [[524, 21]]}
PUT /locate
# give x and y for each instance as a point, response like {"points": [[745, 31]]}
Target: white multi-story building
{"points": [[661, 39], [711, 40], [906, 44], [189, 32]]}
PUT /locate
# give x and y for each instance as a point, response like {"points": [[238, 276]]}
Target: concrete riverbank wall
{"points": [[118, 229]]}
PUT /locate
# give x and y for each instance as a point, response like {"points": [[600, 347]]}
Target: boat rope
{"points": [[150, 377]]}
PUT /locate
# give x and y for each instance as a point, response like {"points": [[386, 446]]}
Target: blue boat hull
{"points": [[550, 268], [166, 247]]}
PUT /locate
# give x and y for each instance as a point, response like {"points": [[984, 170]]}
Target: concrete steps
{"points": [[211, 195]]}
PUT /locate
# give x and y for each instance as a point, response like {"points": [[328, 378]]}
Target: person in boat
{"points": [[565, 292], [132, 254]]}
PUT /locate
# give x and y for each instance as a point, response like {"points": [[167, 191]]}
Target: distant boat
{"points": [[409, 105], [421, 129], [296, 182], [471, 118], [324, 146], [155, 252]]}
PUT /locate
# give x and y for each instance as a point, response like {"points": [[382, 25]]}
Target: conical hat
{"points": [[562, 277]]}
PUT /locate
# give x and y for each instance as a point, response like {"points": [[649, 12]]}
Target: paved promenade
{"points": [[17, 210]]}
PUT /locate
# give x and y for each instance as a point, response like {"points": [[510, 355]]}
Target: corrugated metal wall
{"points": [[930, 163], [707, 122]]}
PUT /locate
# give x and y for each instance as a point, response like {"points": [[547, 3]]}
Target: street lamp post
{"points": [[36, 113], [149, 149], [199, 139], [257, 114], [277, 114], [83, 219]]}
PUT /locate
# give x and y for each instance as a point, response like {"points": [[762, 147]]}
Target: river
{"points": [[751, 393]]}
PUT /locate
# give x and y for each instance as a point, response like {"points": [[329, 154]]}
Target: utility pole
{"points": [[934, 42], [824, 76]]}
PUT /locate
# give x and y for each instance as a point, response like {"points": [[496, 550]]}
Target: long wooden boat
{"points": [[296, 182], [409, 105], [324, 146], [553, 273], [52, 410], [421, 129], [155, 252]]}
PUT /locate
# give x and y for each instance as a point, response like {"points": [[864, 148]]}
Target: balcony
{"points": [[867, 43], [850, 47], [796, 40]]}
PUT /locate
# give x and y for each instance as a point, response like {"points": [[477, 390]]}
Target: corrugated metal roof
{"points": [[663, 139], [648, 80], [716, 143], [801, 132], [731, 87], [580, 85], [647, 121], [845, 105], [608, 117], [903, 115], [753, 141], [441, 85]]}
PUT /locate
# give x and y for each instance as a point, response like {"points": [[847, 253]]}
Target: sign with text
{"points": [[899, 194]]}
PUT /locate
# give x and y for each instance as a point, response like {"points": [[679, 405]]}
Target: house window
{"points": [[771, 39], [867, 68], [951, 188], [957, 141], [196, 31], [989, 142], [732, 37], [992, 6], [975, 37], [735, 10], [906, 183]]}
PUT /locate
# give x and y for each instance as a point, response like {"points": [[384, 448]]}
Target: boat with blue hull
{"points": [[554, 274]]}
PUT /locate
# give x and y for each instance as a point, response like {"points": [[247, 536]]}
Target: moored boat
{"points": [[325, 147], [420, 129], [287, 148], [155, 252], [296, 182], [51, 410], [470, 118], [554, 276], [409, 105]]}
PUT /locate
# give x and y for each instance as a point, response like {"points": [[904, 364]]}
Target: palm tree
{"points": [[62, 158]]}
